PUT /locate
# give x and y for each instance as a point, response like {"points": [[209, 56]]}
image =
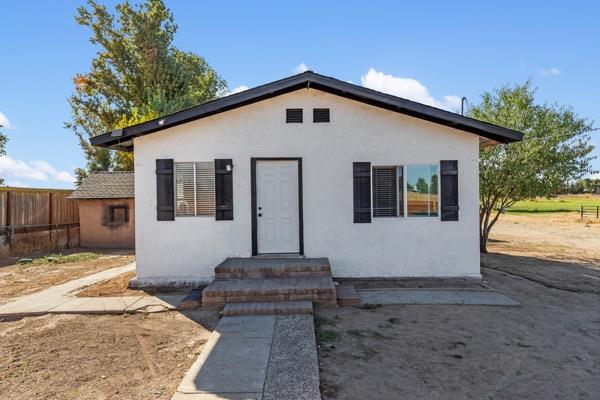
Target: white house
{"points": [[309, 166]]}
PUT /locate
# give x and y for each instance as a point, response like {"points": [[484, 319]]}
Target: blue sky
{"points": [[434, 53]]}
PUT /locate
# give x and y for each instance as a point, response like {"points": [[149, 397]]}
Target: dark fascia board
{"points": [[313, 80]]}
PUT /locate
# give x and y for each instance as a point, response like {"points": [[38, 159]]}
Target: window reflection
{"points": [[422, 190]]}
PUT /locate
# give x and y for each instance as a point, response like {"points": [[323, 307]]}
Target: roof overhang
{"points": [[122, 139]]}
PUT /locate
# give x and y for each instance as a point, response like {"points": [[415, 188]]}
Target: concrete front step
{"points": [[277, 267], [318, 289], [279, 308]]}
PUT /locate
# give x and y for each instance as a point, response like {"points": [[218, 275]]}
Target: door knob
{"points": [[260, 208], [260, 215]]}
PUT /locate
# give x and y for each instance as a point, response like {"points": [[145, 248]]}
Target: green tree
{"points": [[586, 185], [3, 140], [434, 184], [137, 74], [555, 150], [422, 186]]}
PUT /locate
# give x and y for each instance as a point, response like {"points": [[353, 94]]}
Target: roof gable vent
{"points": [[320, 114], [293, 116]]}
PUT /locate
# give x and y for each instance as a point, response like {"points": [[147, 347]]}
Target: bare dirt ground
{"points": [[113, 287], [100, 357], [557, 236], [19, 280], [547, 349]]}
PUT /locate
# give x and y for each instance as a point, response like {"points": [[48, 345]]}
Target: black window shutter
{"points": [[165, 196], [362, 192], [449, 189], [223, 189]]}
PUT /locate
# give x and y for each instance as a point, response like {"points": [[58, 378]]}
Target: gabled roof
{"points": [[105, 185], [121, 139]]}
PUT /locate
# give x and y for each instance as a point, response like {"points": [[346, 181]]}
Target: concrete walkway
{"points": [[62, 299], [483, 297], [263, 357]]}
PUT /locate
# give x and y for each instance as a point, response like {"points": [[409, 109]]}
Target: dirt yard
{"points": [[113, 287], [556, 236], [100, 357], [547, 349], [18, 280]]}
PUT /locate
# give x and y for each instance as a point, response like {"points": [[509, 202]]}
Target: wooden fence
{"points": [[28, 214], [589, 211]]}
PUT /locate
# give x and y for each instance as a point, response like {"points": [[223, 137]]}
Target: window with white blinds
{"points": [[388, 196], [195, 188]]}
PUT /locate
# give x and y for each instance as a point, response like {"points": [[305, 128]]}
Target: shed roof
{"points": [[105, 185], [122, 139]]}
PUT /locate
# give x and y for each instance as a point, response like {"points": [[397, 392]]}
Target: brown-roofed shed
{"points": [[106, 210]]}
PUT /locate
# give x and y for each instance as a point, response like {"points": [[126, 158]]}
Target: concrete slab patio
{"points": [[486, 297], [256, 357]]}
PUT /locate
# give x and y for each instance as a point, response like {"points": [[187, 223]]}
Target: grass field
{"points": [[561, 203]]}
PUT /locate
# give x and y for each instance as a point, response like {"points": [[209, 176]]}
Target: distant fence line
{"points": [[30, 208], [589, 211], [37, 220]]}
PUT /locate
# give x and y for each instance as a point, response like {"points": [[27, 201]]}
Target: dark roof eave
{"points": [[316, 81]]}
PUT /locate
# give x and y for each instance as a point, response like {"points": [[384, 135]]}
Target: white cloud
{"points": [[16, 184], [4, 121], [451, 103], [407, 88], [64, 176], [550, 71], [300, 68], [238, 89], [34, 170]]}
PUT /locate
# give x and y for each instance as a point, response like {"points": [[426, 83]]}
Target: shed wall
{"points": [[96, 231]]}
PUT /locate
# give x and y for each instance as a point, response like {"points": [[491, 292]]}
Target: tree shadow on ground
{"points": [[573, 276]]}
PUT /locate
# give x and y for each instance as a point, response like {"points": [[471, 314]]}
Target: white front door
{"points": [[277, 211]]}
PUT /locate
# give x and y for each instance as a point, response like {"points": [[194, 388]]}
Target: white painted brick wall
{"points": [[189, 248]]}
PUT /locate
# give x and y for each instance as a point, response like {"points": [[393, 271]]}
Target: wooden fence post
{"points": [[8, 208], [581, 212], [8, 221], [597, 212], [50, 217], [68, 236]]}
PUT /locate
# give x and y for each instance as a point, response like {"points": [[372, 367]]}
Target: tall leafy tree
{"points": [[137, 74], [555, 150]]}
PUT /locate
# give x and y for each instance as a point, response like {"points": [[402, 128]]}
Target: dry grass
{"points": [[112, 287], [553, 236]]}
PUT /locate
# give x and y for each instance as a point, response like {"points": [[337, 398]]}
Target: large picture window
{"points": [[194, 188], [422, 190], [389, 187]]}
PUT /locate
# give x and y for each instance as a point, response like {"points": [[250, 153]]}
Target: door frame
{"points": [[253, 161]]}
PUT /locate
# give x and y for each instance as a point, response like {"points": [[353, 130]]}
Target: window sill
{"points": [[116, 224], [414, 217], [194, 216]]}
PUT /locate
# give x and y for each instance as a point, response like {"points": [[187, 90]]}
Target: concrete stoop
{"points": [[288, 282], [276, 267]]}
